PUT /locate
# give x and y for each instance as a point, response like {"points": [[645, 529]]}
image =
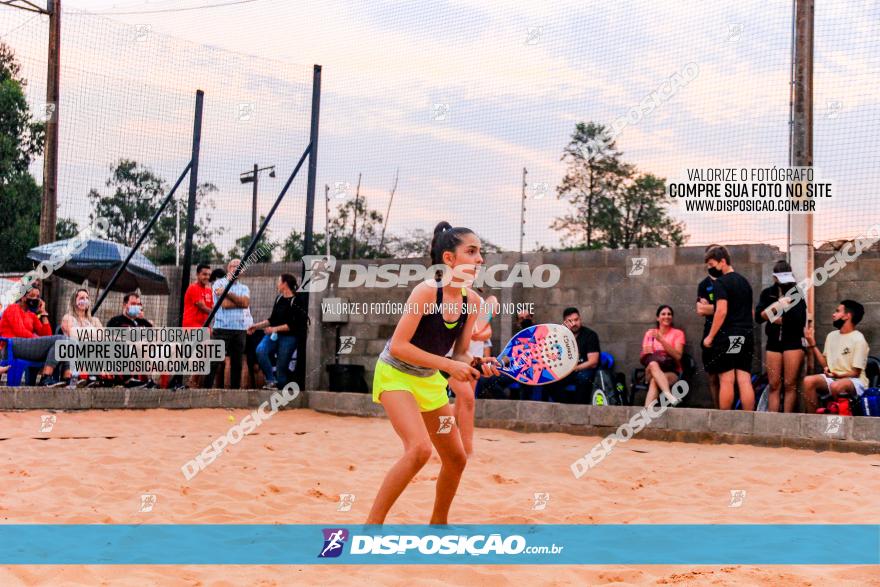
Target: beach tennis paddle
{"points": [[538, 355]]}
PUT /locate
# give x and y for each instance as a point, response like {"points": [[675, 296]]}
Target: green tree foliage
{"points": [[615, 206], [164, 235], [263, 252], [134, 194], [21, 139], [66, 228]]}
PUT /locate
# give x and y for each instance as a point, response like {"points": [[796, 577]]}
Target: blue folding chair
{"points": [[18, 367]]}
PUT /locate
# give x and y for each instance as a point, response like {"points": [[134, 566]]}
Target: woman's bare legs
{"points": [[652, 391], [793, 361], [774, 378], [403, 412], [465, 404], [452, 458]]}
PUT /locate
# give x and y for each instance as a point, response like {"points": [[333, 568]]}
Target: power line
{"points": [[165, 10]]}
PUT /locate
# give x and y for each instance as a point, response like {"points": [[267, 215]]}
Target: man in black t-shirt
{"points": [[730, 335], [706, 308], [576, 387], [132, 317]]}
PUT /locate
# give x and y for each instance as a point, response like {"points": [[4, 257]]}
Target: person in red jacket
{"points": [[27, 324]]}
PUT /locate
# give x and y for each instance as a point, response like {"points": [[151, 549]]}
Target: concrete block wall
{"points": [[617, 305]]}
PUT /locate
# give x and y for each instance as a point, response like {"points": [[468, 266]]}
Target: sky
{"points": [[458, 95]]}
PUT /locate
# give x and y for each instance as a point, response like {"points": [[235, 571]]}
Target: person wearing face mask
{"points": [[843, 359], [27, 324], [79, 315], [785, 350], [730, 337], [132, 314], [132, 317], [706, 308]]}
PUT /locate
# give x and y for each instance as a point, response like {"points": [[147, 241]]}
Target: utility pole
{"points": [[522, 214], [254, 202], [327, 219], [388, 212], [801, 225], [49, 204], [354, 227]]}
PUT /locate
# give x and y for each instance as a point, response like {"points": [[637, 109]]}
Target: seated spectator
{"points": [[662, 349], [588, 360], [132, 314], [278, 343], [523, 320], [843, 359], [79, 315], [132, 317], [26, 323]]}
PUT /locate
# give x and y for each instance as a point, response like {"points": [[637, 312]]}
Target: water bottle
{"points": [[274, 337]]}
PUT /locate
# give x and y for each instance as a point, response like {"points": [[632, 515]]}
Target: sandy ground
{"points": [[93, 467]]}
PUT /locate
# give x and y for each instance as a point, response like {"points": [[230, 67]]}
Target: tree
{"points": [[136, 193], [615, 205], [262, 253], [594, 172], [293, 247], [636, 216], [66, 228], [164, 235], [21, 139]]}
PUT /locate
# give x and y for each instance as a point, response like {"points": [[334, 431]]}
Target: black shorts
{"points": [[728, 354], [710, 361], [786, 344]]}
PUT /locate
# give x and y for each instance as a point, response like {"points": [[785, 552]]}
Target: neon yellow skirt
{"points": [[430, 392]]}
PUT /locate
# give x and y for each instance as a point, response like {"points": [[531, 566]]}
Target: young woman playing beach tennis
{"points": [[407, 380]]}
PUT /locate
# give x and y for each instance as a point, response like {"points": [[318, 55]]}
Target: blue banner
{"points": [[234, 544]]}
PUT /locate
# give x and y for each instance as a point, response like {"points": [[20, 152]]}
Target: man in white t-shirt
{"points": [[843, 359]]}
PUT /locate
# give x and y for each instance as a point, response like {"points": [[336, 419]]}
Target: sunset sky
{"points": [[516, 77]]}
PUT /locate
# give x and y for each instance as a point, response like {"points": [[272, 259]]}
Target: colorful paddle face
{"points": [[540, 354]]}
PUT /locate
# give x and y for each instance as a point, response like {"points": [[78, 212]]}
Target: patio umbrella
{"points": [[98, 261]]}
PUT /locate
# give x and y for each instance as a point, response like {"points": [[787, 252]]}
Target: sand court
{"points": [[95, 467]]}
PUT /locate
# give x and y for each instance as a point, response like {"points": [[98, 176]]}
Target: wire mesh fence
{"points": [[507, 92]]}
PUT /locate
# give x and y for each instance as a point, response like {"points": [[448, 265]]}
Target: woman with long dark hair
{"points": [[408, 383], [662, 349]]}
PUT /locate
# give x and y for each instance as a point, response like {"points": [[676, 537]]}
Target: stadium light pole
{"points": [[252, 177]]}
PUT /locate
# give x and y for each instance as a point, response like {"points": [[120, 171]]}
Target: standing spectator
{"points": [[198, 300], [231, 322], [843, 359], [785, 350], [26, 323], [662, 349], [279, 342], [588, 361], [132, 317], [730, 336], [197, 303], [706, 308]]}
